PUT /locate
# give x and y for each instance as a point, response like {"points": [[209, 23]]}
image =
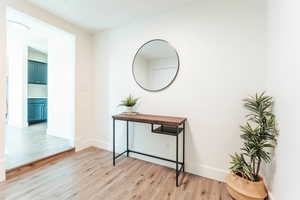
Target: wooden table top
{"points": [[152, 119]]}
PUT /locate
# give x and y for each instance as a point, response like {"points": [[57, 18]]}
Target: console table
{"points": [[166, 125]]}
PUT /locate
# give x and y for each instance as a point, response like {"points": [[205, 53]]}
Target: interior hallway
{"points": [[23, 146]]}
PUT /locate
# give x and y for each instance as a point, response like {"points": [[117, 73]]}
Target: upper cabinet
{"points": [[37, 72]]}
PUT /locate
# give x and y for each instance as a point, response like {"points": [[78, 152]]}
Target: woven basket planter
{"points": [[243, 189]]}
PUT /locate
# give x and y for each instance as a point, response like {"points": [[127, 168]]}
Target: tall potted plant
{"points": [[259, 135]]}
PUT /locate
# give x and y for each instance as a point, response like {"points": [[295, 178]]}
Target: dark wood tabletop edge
{"points": [[125, 117], [121, 115]]}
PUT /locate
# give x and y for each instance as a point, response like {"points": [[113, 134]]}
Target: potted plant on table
{"points": [[259, 135], [129, 103]]}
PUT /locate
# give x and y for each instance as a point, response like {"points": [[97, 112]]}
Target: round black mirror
{"points": [[155, 65]]}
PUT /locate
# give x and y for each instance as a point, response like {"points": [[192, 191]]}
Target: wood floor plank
{"points": [[90, 175], [37, 186], [36, 164], [65, 178], [33, 179]]}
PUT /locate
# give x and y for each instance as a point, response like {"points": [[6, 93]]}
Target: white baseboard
{"points": [[102, 145], [207, 171], [81, 144], [58, 134], [2, 170], [270, 196], [52, 132], [17, 125], [193, 168]]}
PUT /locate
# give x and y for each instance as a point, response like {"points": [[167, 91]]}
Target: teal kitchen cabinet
{"points": [[37, 110], [37, 72], [45, 112], [35, 113], [31, 71]]}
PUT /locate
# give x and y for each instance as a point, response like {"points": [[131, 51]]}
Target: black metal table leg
{"points": [[127, 138], [177, 172], [183, 144], [114, 157], [177, 162]]}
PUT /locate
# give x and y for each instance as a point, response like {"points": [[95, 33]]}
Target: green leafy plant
{"points": [[129, 101], [258, 134]]}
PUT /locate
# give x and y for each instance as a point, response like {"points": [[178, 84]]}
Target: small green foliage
{"points": [[129, 101], [258, 135], [240, 166]]}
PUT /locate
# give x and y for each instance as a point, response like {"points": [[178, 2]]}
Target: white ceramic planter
{"points": [[129, 109]]}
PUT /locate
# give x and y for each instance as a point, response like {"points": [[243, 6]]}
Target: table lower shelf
{"points": [[167, 130]]}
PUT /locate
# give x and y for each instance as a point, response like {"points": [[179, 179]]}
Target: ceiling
{"points": [[95, 15]]}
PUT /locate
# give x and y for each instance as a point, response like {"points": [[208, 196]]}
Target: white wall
{"points": [[61, 72], [283, 83], [2, 86], [82, 72], [221, 45], [17, 75]]}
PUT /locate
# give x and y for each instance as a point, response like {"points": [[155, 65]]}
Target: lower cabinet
{"points": [[37, 110]]}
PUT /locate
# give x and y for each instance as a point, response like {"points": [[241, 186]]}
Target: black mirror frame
{"points": [[178, 64]]}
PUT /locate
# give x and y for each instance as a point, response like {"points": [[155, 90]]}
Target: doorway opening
{"points": [[40, 92]]}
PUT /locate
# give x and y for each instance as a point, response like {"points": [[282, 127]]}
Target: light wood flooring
{"points": [[89, 175], [23, 146], [37, 164]]}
